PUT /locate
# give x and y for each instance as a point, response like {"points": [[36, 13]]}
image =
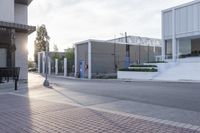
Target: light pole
{"points": [[127, 58], [46, 82]]}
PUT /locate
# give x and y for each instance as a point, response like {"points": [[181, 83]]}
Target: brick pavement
{"points": [[27, 115]]}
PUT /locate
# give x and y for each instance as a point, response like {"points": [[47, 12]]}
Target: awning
{"points": [[18, 27]]}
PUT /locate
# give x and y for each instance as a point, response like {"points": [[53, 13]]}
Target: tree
{"points": [[55, 48], [41, 40], [56, 54], [70, 59]]}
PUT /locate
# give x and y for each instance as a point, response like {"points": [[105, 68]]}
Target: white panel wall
{"points": [[187, 21], [21, 54], [7, 10], [167, 19], [21, 14]]}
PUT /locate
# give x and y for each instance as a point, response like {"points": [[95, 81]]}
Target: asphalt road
{"points": [[176, 95]]}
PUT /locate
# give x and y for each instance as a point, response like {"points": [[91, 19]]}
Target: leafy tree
{"points": [[55, 48], [42, 39], [70, 59], [56, 54], [31, 64]]}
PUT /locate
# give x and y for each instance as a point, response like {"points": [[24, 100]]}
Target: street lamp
{"points": [[46, 82], [127, 58]]}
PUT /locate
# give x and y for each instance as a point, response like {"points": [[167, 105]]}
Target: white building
{"points": [[14, 31], [181, 43], [181, 31]]}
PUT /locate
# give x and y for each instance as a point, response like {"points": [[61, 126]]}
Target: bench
{"points": [[7, 73]]}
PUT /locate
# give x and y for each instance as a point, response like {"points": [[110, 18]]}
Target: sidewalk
{"points": [[23, 114], [41, 109]]}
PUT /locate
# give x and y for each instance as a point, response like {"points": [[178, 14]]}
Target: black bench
{"points": [[7, 73]]}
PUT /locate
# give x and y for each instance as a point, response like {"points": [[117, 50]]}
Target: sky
{"points": [[71, 21]]}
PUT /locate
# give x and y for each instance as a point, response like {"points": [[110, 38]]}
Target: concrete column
{"points": [[43, 62], [163, 50], [89, 60], [49, 65], [174, 47], [65, 67], [163, 39], [39, 60], [75, 61], [56, 66]]}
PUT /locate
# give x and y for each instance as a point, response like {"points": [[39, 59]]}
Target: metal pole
{"points": [[127, 50], [139, 50], [148, 53], [46, 82], [115, 64]]}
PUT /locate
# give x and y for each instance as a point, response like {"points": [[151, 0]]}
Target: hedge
{"points": [[143, 66], [157, 62], [139, 70]]}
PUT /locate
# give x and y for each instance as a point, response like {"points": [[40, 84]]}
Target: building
{"points": [[181, 31], [14, 31], [97, 57]]}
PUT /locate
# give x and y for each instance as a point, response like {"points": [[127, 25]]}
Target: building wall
{"points": [[7, 10], [102, 57], [82, 55], [187, 20], [21, 55], [105, 55], [21, 14]]}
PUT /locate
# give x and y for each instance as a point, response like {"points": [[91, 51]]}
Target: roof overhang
{"points": [[18, 27], [24, 2]]}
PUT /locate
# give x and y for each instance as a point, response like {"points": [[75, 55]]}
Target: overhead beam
{"points": [[24, 2]]}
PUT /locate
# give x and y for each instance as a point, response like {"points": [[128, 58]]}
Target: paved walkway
{"points": [[40, 109], [24, 115]]}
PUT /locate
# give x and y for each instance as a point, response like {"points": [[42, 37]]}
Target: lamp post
{"points": [[127, 58], [46, 82]]}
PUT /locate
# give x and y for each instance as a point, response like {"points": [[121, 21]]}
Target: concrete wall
{"points": [[21, 54], [102, 57], [21, 14], [7, 10]]}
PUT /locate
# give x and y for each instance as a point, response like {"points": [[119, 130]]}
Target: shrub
{"points": [[139, 70], [157, 62], [143, 66]]}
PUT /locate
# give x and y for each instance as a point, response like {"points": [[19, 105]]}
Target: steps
{"points": [[183, 69]]}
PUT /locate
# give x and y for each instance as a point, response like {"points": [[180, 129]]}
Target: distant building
{"points": [[14, 31], [96, 57]]}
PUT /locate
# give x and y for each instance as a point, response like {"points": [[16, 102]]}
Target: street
{"points": [[176, 95]]}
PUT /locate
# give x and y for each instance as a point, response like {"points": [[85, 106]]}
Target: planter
{"points": [[136, 75]]}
